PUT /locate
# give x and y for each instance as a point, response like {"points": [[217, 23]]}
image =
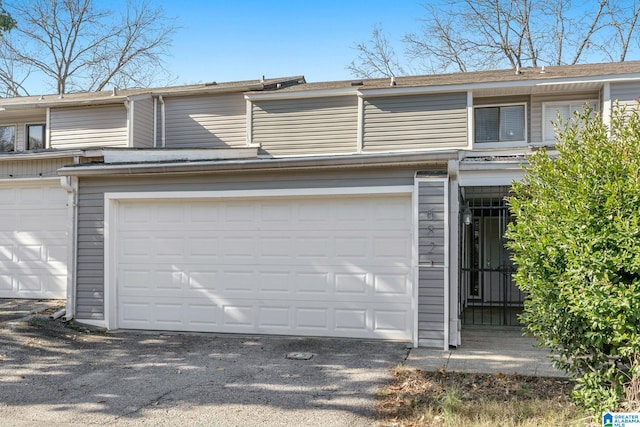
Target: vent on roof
{"points": [[393, 81], [211, 83], [357, 83]]}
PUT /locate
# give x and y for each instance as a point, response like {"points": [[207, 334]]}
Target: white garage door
{"points": [[302, 266], [33, 240]]}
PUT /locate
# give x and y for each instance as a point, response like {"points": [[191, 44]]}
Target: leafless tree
{"points": [[468, 35], [376, 58], [79, 47]]}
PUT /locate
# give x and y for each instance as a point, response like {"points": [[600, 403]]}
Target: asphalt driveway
{"points": [[52, 373]]}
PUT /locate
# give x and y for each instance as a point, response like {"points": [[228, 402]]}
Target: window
{"points": [[564, 110], [500, 124], [7, 138], [35, 137]]}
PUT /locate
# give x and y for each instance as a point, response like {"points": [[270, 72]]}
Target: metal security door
{"points": [[488, 294]]}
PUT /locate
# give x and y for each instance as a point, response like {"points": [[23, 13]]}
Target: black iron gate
{"points": [[488, 294]]}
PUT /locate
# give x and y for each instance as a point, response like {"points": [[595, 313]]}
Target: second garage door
{"points": [[338, 266], [34, 226]]}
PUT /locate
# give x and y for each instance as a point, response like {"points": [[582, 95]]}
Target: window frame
{"points": [[504, 143], [546, 121], [15, 137], [27, 133]]}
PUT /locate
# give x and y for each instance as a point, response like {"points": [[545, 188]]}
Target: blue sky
{"points": [[243, 40]]}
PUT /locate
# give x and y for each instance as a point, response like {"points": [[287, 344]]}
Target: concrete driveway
{"points": [[52, 373]]}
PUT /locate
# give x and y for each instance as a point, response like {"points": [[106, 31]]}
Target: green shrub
{"points": [[576, 242]]}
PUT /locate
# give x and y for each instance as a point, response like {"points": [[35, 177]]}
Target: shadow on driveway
{"points": [[55, 373]]}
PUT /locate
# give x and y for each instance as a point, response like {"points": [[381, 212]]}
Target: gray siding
{"points": [[90, 267], [15, 169], [20, 124], [415, 122], [431, 251], [537, 126], [206, 121], [142, 123], [306, 126], [626, 94], [102, 126]]}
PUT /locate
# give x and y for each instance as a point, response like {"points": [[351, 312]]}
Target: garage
{"points": [[258, 262], [33, 239]]}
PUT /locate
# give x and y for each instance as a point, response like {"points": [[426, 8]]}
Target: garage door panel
{"points": [[33, 240], [315, 266]]}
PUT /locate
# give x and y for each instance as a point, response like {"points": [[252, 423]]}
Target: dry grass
{"points": [[418, 398]]}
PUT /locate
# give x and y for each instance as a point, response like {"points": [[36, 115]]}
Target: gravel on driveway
{"points": [[55, 373]]}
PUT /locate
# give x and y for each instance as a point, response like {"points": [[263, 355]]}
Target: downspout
{"points": [[70, 185], [162, 119], [155, 122]]}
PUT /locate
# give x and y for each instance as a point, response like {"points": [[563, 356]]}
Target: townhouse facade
{"points": [[368, 209]]}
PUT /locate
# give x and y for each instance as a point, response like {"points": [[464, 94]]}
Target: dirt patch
{"points": [[416, 397]]}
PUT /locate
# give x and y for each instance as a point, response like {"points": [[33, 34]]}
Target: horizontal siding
{"points": [[415, 122], [206, 121], [625, 92], [15, 169], [90, 267], [142, 129], [306, 126], [537, 125], [103, 126], [431, 251]]}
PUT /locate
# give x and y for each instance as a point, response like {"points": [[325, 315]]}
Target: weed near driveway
{"points": [[418, 398]]}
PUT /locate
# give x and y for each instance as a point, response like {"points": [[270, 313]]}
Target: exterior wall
{"points": [[415, 122], [306, 126], [16, 169], [205, 121], [90, 266], [141, 123], [432, 271], [627, 94], [20, 124], [81, 127], [536, 114]]}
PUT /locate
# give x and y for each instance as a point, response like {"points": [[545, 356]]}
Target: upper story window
{"points": [[564, 110], [7, 138], [35, 137], [504, 123]]}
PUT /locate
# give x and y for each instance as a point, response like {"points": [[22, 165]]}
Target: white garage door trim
{"points": [[46, 256], [112, 202]]}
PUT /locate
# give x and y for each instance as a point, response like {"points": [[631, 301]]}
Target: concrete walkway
{"points": [[488, 350]]}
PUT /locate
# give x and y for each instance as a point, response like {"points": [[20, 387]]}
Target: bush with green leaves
{"points": [[576, 244]]}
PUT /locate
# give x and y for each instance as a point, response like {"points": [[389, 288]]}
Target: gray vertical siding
{"points": [[90, 266], [306, 126], [206, 121], [431, 272], [16, 169], [83, 127], [142, 123], [415, 122], [537, 101]]}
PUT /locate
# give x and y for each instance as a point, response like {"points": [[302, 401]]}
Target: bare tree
{"points": [[376, 58], [468, 35], [79, 47]]}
